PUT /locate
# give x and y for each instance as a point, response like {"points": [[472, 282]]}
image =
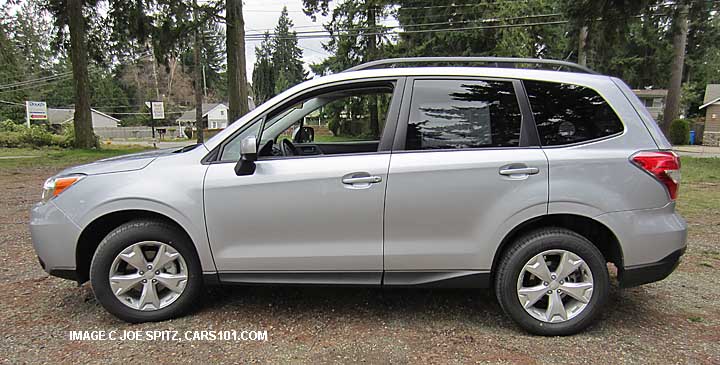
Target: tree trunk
{"points": [[197, 81], [672, 104], [582, 46], [84, 136], [236, 69]]}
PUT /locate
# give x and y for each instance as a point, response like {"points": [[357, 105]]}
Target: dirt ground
{"points": [[673, 321]]}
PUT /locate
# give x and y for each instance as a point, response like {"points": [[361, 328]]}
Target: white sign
{"points": [[158, 109], [36, 111]]}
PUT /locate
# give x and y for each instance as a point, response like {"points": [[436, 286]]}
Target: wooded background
{"points": [[115, 55]]}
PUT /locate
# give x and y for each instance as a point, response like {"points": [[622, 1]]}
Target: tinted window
{"points": [[448, 114], [567, 113]]}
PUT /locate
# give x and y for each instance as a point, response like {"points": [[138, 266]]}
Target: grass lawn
{"points": [[699, 199], [57, 157]]}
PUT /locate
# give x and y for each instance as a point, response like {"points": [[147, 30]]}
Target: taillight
{"points": [[664, 165]]}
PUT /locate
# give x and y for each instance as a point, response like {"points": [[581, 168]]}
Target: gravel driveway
{"points": [[673, 321]]}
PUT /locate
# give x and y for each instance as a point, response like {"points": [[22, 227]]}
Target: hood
{"points": [[131, 162]]}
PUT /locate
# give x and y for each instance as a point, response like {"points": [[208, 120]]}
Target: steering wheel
{"points": [[288, 148]]}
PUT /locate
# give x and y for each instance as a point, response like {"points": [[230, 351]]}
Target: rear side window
{"points": [[456, 114], [566, 113]]}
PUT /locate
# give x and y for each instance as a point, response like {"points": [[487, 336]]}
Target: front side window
{"points": [[566, 113], [457, 114], [340, 122]]}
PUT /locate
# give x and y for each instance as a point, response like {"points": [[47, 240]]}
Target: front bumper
{"points": [[649, 273], [54, 237]]}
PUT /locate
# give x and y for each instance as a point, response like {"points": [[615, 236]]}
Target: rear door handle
{"points": [[508, 171], [361, 180]]}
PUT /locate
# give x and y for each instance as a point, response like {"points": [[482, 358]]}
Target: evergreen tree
{"points": [[286, 55], [263, 71], [31, 35], [356, 35]]}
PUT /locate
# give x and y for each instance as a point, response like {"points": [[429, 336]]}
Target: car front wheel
{"points": [[552, 282], [146, 271]]}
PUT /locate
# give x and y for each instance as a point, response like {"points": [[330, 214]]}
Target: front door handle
{"points": [[361, 180], [509, 171]]}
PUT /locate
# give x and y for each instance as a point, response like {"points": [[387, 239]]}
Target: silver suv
{"points": [[524, 180]]}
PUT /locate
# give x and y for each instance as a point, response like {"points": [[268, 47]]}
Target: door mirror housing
{"points": [[304, 135], [248, 156]]}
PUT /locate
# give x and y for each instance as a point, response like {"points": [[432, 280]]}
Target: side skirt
{"points": [[407, 279]]}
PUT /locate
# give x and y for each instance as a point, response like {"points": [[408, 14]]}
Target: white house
{"points": [[99, 119], [215, 116]]}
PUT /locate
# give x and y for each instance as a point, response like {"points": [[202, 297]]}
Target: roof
{"points": [[189, 116], [62, 115], [650, 92], [712, 95]]}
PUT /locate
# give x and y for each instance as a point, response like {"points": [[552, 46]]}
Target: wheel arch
{"points": [[95, 231], [596, 232]]}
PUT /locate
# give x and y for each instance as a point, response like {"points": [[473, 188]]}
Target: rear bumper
{"points": [[649, 273], [647, 236]]}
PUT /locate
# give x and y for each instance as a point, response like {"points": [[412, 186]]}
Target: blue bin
{"points": [[692, 137]]}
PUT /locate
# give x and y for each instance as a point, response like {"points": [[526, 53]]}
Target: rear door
{"points": [[466, 168]]}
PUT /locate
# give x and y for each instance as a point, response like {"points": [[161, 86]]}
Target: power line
{"points": [[33, 86], [313, 50], [490, 20], [38, 80], [12, 103], [449, 22], [500, 26]]}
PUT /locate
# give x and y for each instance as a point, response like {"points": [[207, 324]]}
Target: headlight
{"points": [[56, 185]]}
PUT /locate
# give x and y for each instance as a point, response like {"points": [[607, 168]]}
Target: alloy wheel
{"points": [[555, 286], [148, 275]]}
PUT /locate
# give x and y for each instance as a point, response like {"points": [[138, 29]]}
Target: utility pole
{"points": [[672, 104], [199, 125]]}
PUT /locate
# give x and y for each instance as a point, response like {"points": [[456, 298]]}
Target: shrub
{"points": [[680, 132], [18, 135]]}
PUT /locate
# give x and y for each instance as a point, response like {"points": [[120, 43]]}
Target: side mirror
{"points": [[248, 156], [304, 135]]}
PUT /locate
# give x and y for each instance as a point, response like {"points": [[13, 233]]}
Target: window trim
{"points": [[386, 139], [529, 137], [574, 144]]}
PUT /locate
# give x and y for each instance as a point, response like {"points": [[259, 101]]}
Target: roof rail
{"points": [[497, 61]]}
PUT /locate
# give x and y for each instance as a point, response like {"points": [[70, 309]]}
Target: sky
{"points": [[262, 15]]}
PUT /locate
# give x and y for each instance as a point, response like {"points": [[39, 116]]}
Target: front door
{"points": [[306, 218]]}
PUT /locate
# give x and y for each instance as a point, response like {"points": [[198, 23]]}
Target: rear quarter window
{"points": [[566, 113]]}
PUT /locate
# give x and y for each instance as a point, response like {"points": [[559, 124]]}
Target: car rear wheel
{"points": [[146, 271], [552, 282]]}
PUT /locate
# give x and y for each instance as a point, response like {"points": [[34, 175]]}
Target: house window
{"points": [[222, 112]]}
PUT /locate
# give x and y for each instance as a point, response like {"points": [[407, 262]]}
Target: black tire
{"points": [[131, 233], [534, 243]]}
